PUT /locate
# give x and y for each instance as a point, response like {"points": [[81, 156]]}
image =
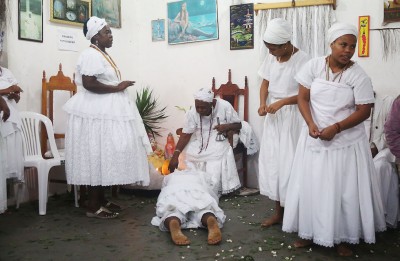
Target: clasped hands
{"points": [[14, 93], [272, 108], [327, 133]]}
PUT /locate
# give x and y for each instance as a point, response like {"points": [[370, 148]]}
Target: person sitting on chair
{"points": [[204, 145], [187, 201]]}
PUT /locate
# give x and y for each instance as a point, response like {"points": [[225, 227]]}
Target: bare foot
{"points": [[214, 233], [344, 250], [302, 243], [275, 219], [176, 233]]}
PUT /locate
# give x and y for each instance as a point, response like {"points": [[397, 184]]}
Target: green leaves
{"points": [[149, 110]]}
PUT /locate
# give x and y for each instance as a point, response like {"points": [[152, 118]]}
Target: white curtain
{"points": [[310, 25]]}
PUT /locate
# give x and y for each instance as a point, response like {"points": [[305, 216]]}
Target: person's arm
{"points": [[4, 108], [91, 83], [392, 129], [303, 101], [361, 113], [274, 107], [182, 142], [224, 128], [262, 110], [177, 18], [10, 90]]}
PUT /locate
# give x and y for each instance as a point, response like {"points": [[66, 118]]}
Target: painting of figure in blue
{"points": [[242, 27], [192, 21], [157, 30]]}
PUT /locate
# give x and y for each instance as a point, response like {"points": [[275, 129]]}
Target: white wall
{"points": [[176, 71]]}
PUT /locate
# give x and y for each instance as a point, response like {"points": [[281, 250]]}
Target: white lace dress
{"points": [[282, 129], [333, 193], [105, 142], [204, 153], [187, 196]]}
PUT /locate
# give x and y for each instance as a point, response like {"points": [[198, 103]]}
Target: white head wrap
{"points": [[204, 94], [94, 25], [339, 29], [278, 31]]}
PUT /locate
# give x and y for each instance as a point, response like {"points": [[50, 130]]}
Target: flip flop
{"points": [[102, 213], [113, 207]]}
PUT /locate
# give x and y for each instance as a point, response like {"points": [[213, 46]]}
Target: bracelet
{"points": [[177, 151], [338, 128]]}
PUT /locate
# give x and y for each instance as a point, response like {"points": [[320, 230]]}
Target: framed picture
{"points": [[109, 10], [242, 26], [30, 20], [192, 21], [363, 36], [158, 30], [391, 11], [74, 12]]}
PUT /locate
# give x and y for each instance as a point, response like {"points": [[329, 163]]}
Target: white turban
{"points": [[94, 25], [339, 29], [278, 31], [205, 95]]}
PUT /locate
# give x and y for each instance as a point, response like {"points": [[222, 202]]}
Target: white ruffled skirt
{"points": [[333, 195], [278, 145], [105, 142]]}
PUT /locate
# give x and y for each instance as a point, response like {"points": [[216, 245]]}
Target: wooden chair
{"points": [[57, 83], [235, 95]]}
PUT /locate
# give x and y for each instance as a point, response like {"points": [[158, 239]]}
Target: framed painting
{"points": [[30, 20], [109, 10], [158, 30], [74, 12], [242, 26], [192, 21], [363, 36], [391, 11]]}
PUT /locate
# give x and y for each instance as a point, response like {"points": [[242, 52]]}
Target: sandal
{"points": [[102, 213], [113, 207]]}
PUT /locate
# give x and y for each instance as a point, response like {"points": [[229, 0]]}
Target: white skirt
{"points": [[187, 197], [278, 145], [3, 184], [333, 195], [105, 141]]}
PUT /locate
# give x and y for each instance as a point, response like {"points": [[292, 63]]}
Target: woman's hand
{"points": [[262, 111], [274, 107], [313, 130], [125, 84], [14, 89], [328, 133], [14, 96]]}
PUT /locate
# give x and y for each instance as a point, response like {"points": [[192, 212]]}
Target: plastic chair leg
{"points": [[76, 196], [43, 183]]}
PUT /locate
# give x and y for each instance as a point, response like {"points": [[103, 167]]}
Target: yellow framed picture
{"points": [[73, 12], [363, 36]]}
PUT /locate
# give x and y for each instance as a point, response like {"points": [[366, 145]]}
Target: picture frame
{"points": [[158, 30], [72, 12], [30, 20], [363, 36], [391, 12], [242, 26], [109, 10], [192, 21]]}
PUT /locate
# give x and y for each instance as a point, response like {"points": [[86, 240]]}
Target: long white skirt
{"points": [[389, 186], [3, 184], [186, 195], [14, 159], [278, 145], [333, 195], [105, 141]]}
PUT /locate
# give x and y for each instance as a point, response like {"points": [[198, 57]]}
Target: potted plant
{"points": [[150, 111]]}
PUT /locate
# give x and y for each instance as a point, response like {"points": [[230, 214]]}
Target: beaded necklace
{"points": [[109, 60], [337, 75], [209, 131]]}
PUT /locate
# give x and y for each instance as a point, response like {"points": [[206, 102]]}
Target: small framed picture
{"points": [[109, 10], [73, 12], [363, 36], [30, 20], [242, 26], [158, 30]]}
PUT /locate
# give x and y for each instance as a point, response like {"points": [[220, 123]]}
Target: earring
{"points": [[97, 42]]}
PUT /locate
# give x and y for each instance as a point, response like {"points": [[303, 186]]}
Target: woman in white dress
{"points": [[278, 101], [106, 143], [4, 113], [333, 195], [187, 201], [10, 130]]}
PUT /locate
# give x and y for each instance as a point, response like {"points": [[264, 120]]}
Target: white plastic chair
{"points": [[33, 155]]}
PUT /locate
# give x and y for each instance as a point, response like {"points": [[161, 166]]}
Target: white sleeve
{"points": [[190, 125], [305, 75], [91, 63]]}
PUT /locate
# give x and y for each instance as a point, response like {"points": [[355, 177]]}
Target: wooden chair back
{"points": [[56, 83]]}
